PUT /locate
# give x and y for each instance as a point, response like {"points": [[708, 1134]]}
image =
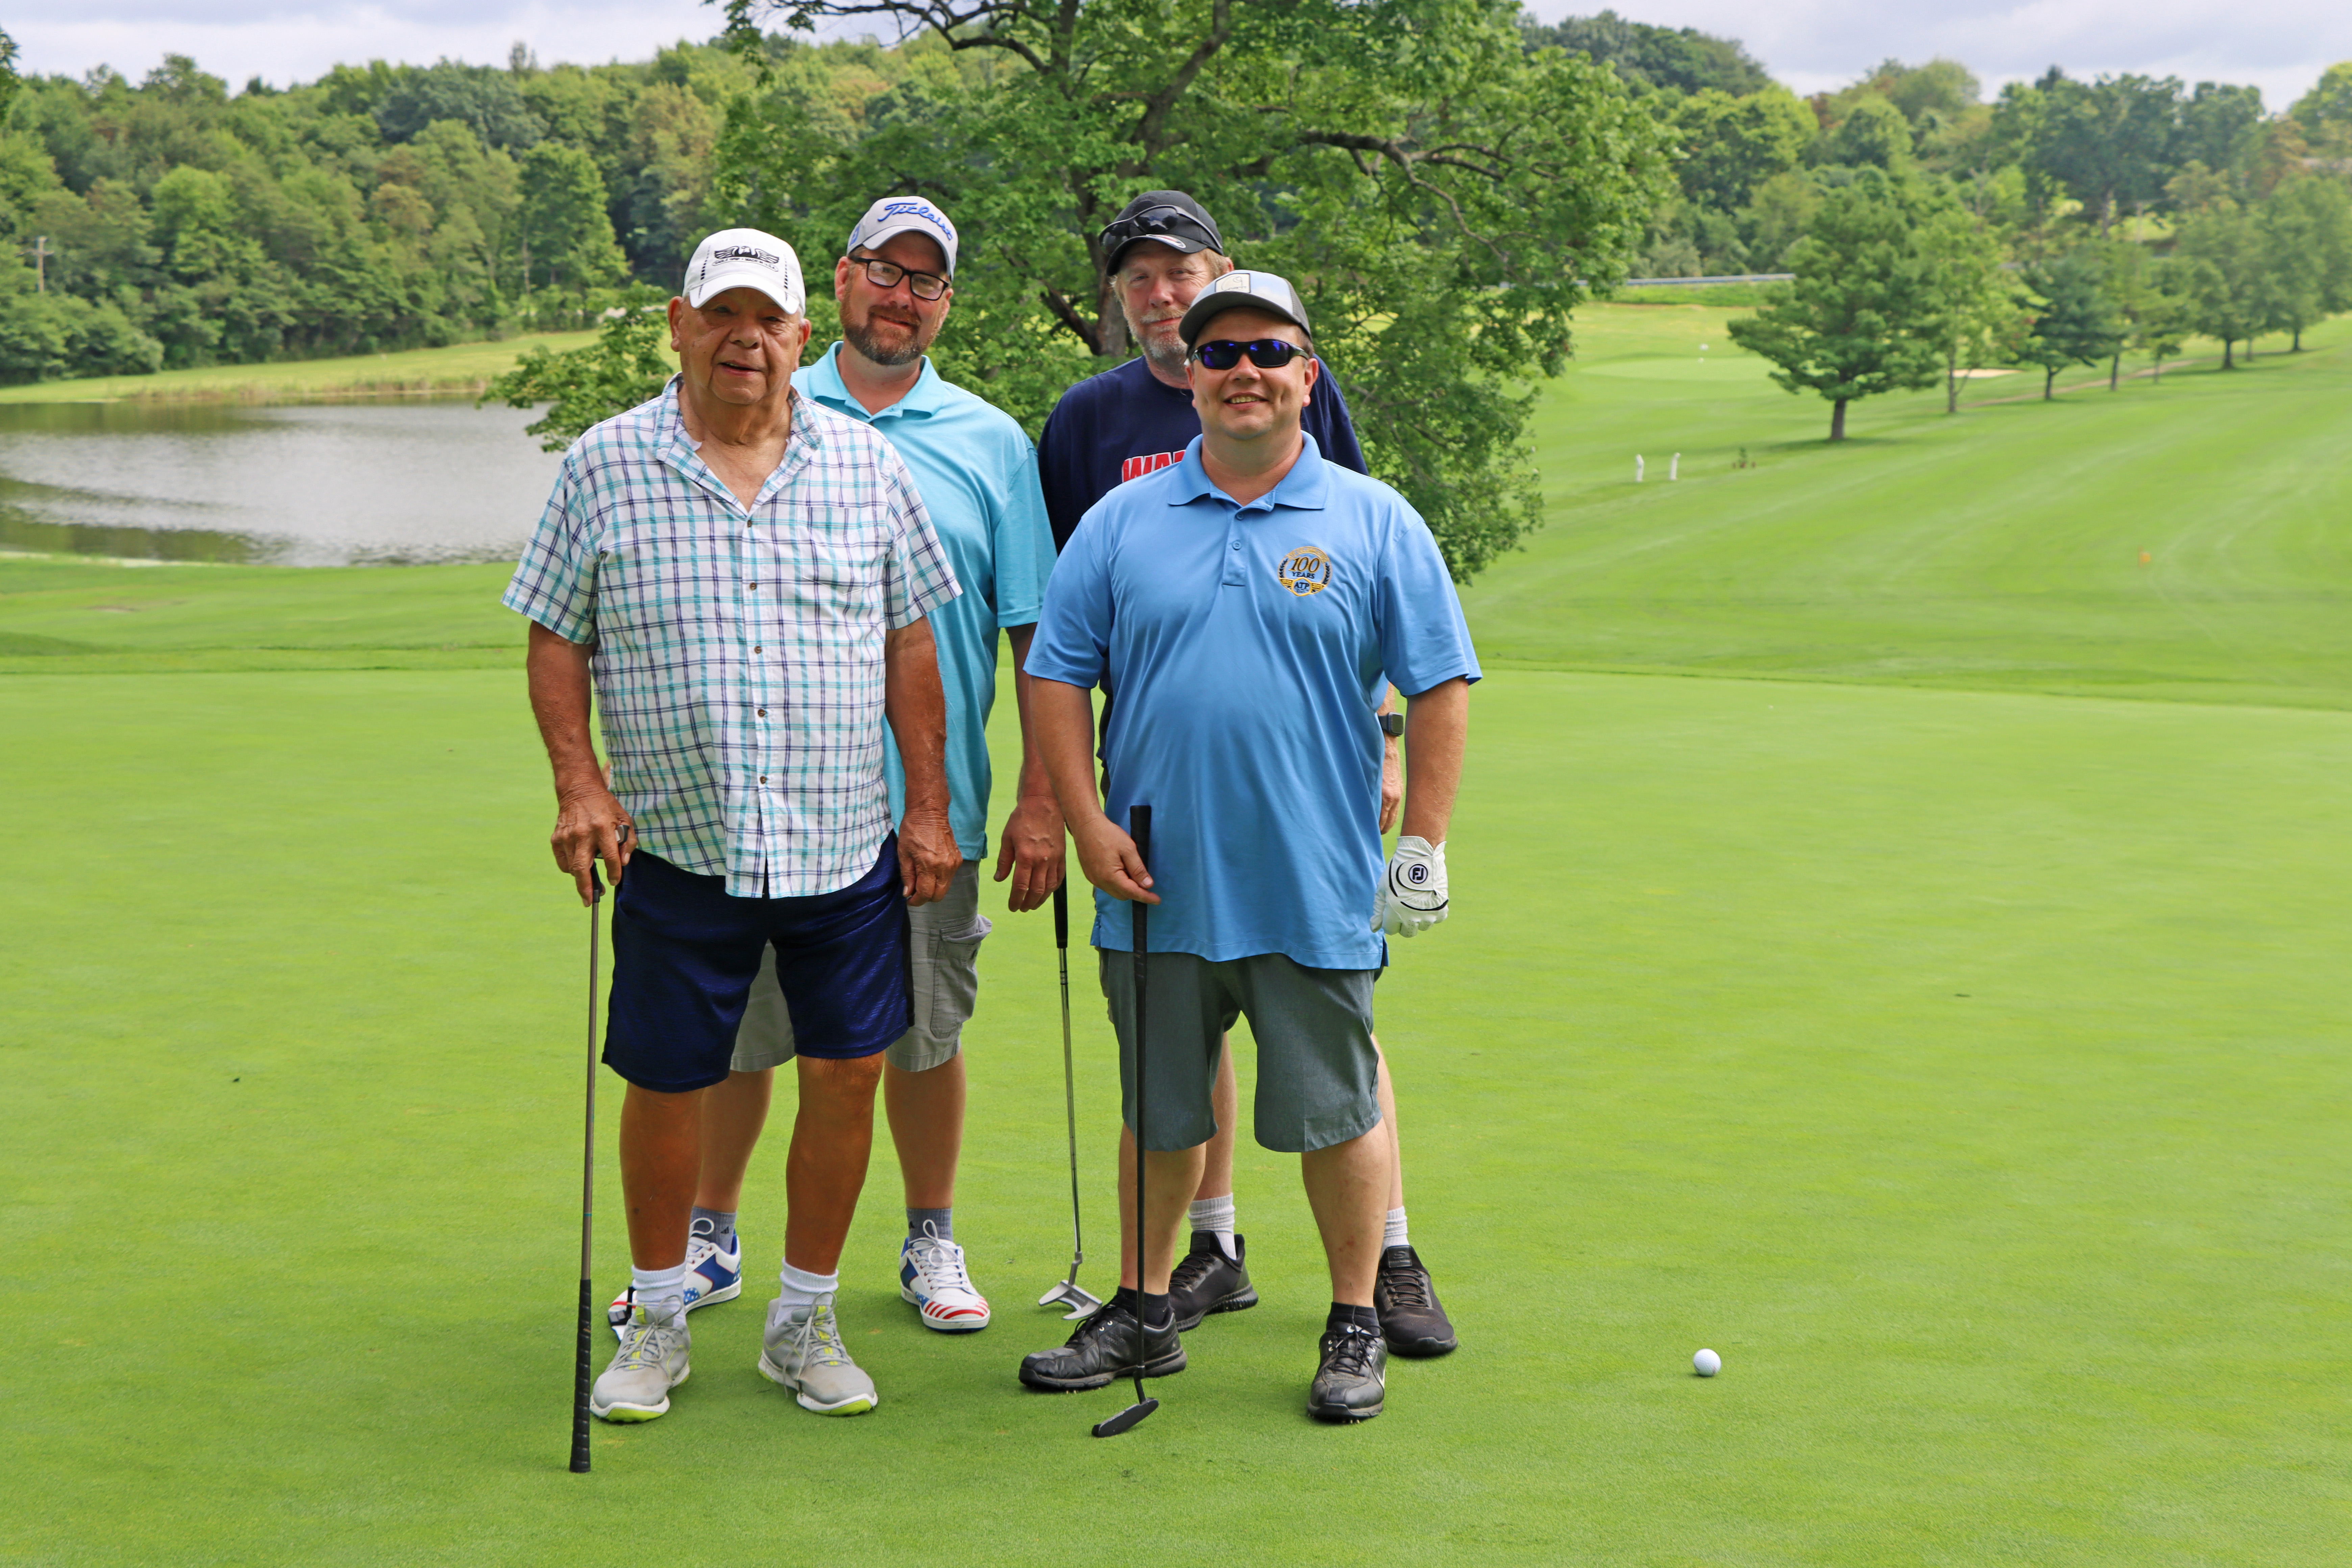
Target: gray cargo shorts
{"points": [[1316, 1064], [943, 939]]}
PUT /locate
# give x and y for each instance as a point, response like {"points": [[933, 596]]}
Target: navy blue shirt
{"points": [[1125, 423], [1242, 640]]}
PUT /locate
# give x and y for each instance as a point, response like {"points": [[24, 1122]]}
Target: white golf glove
{"points": [[1412, 889]]}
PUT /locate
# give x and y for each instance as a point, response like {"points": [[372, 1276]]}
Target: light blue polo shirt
{"points": [[1243, 647], [977, 474]]}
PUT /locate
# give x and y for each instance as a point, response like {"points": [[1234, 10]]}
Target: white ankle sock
{"points": [[1216, 1216], [1395, 1235], [799, 1287], [654, 1285]]}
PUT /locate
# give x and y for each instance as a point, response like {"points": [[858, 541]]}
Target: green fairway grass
{"points": [[458, 367], [1840, 976]]}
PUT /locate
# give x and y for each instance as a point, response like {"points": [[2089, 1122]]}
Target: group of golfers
{"points": [[780, 588]]}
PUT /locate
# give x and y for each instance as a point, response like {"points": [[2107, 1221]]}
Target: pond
{"points": [[330, 484]]}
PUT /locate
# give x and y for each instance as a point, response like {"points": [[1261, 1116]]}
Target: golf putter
{"points": [[1138, 820], [1068, 1293], [584, 1361]]}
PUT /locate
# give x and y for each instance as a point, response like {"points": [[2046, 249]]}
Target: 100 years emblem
{"points": [[1303, 571]]}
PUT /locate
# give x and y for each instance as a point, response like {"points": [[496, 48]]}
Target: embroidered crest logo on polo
{"points": [[1303, 571]]}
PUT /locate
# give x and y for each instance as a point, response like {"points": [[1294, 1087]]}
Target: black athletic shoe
{"points": [[1349, 1384], [1103, 1351], [1411, 1318], [1207, 1281]]}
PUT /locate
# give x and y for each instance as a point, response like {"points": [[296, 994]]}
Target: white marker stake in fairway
{"points": [[1637, 467], [1706, 1363], [1674, 468]]}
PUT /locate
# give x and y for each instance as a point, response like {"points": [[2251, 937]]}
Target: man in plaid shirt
{"points": [[742, 579]]}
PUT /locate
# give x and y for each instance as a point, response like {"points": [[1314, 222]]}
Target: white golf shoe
{"points": [[651, 1361], [712, 1274], [931, 1276], [802, 1350]]}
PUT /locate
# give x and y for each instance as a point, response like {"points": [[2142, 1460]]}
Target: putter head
{"points": [[1082, 1302], [1126, 1418]]}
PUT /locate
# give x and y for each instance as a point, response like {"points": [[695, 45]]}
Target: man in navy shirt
{"points": [[1163, 250], [1244, 604]]}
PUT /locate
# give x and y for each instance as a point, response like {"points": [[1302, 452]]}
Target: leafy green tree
{"points": [[2077, 323], [1872, 135], [1976, 303], [7, 73], [484, 99], [2304, 231], [2217, 125], [2219, 254], [565, 228], [1678, 60], [2108, 145], [1444, 197], [2162, 323], [2325, 113], [629, 362], [1731, 145], [1864, 315]]}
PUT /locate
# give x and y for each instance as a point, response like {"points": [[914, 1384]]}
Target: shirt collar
{"points": [[822, 381], [1307, 487], [679, 449]]}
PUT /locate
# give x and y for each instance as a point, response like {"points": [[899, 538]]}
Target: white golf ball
{"points": [[1706, 1363]]}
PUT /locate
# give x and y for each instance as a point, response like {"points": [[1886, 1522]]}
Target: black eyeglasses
{"points": [[1267, 353], [885, 275]]}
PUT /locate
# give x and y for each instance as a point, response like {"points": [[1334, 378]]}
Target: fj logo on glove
{"points": [[1303, 571]]}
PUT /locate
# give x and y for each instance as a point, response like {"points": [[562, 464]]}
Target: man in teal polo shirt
{"points": [[977, 473], [1244, 605]]}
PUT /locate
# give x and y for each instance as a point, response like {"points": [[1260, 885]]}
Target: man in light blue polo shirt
{"points": [[1244, 605], [977, 473]]}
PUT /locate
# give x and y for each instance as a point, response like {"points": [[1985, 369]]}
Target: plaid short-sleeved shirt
{"points": [[739, 652]]}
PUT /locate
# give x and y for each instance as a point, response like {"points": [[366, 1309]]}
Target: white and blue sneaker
{"points": [[931, 1276], [711, 1275]]}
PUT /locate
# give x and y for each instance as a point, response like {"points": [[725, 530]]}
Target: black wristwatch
{"points": [[1391, 724]]}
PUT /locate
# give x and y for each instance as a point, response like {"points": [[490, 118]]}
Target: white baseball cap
{"points": [[745, 258], [904, 214]]}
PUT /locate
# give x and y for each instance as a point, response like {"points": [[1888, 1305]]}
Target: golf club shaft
{"points": [[582, 1358], [1139, 828], [1069, 1076]]}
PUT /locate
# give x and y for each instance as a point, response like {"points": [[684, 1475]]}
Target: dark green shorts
{"points": [[1316, 1065]]}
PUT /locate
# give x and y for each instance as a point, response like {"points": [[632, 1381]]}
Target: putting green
{"points": [[1964, 1065]]}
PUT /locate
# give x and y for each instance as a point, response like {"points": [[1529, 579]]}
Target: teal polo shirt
{"points": [[1245, 645], [977, 474]]}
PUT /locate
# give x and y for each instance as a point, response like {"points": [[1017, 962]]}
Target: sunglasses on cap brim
{"points": [[1159, 223], [1267, 353]]}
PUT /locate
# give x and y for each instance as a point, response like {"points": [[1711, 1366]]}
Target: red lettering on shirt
{"points": [[1136, 467]]}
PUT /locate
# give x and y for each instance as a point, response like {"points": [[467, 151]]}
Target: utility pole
{"points": [[40, 253]]}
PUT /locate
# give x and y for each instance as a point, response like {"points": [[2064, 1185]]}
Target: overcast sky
{"points": [[2280, 46]]}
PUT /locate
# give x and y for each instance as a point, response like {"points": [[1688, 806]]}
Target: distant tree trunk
{"points": [[1952, 377], [2250, 348], [2158, 377], [2116, 370], [1837, 420], [2049, 380], [2298, 342], [2226, 362]]}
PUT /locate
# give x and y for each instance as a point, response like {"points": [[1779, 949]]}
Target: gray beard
{"points": [[863, 339]]}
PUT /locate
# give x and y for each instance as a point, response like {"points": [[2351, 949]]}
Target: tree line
{"points": [[1447, 179]]}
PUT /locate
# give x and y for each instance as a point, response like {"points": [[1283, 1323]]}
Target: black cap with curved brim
{"points": [[1267, 291], [1168, 217]]}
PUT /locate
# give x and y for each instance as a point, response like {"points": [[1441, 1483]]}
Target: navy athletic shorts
{"points": [[685, 954]]}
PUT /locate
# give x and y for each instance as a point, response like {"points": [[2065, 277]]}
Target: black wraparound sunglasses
{"points": [[1267, 353]]}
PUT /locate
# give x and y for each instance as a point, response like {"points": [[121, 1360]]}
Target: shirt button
{"points": [[763, 778], [755, 587], [763, 712], [755, 648], [1237, 544]]}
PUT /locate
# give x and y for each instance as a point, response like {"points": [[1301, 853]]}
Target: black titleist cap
{"points": [[1171, 217]]}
